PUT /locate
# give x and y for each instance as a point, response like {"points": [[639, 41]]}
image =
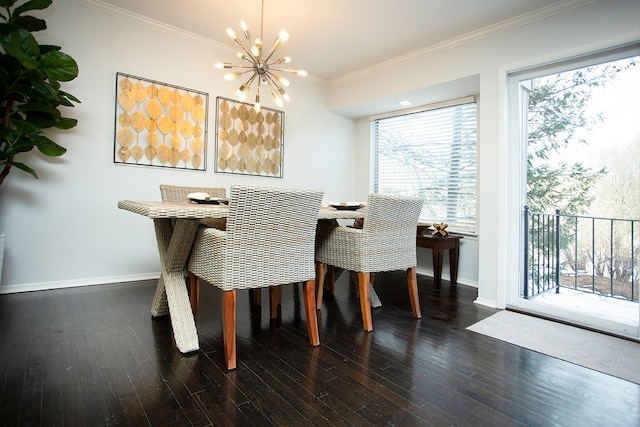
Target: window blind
{"points": [[430, 152]]}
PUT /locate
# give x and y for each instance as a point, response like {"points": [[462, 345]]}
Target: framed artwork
{"points": [[158, 124], [248, 142]]}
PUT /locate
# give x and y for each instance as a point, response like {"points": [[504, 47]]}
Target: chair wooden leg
{"points": [[365, 301], [255, 296], [331, 279], [321, 269], [194, 292], [275, 300], [412, 283], [310, 311], [229, 327]]}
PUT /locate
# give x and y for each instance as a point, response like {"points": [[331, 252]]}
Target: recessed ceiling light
{"points": [[405, 103]]}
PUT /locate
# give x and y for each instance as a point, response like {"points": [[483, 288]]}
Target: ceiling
{"points": [[332, 39]]}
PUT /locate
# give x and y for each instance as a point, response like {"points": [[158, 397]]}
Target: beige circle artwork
{"points": [[248, 142], [158, 124]]}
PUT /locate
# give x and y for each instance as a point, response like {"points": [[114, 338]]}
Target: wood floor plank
{"points": [[94, 356]]}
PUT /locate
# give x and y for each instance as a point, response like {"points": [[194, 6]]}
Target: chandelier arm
{"points": [[274, 49], [272, 82], [239, 43], [291, 71]]}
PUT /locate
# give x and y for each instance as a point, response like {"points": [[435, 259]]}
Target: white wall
{"points": [[568, 31], [65, 228]]}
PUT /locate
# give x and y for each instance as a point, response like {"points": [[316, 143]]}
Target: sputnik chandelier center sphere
{"points": [[261, 69]]}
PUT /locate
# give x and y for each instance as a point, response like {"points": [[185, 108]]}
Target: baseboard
{"points": [[43, 286], [486, 302], [445, 276]]}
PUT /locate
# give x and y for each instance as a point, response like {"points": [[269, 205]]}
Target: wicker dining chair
{"points": [[386, 242], [269, 242], [180, 194]]}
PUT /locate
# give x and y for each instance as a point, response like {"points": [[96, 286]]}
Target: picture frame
{"points": [[248, 142], [159, 124]]}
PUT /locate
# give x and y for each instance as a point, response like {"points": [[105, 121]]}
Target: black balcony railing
{"points": [[589, 254]]}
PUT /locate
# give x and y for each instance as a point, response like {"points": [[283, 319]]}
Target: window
{"points": [[430, 152]]}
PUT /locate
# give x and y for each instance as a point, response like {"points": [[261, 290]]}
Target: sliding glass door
{"points": [[579, 137]]}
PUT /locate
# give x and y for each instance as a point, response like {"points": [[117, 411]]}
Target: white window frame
{"points": [[468, 225]]}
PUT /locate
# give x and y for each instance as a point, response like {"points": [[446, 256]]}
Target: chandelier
{"points": [[261, 68]]}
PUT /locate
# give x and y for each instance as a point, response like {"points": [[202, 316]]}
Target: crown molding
{"points": [[509, 24], [491, 30], [158, 25]]}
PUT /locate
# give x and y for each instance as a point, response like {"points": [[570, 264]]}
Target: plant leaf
{"points": [[25, 168], [30, 23], [66, 123], [32, 5], [47, 146], [23, 46], [7, 3], [58, 66]]}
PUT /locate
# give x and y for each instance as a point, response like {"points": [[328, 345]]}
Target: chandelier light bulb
{"points": [[276, 98], [283, 36], [284, 94], [284, 82], [231, 34], [232, 76]]}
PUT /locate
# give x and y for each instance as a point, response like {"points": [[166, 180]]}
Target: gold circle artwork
{"points": [[138, 121], [125, 84], [187, 102], [164, 94], [176, 113], [153, 139], [199, 113], [165, 124], [159, 124], [175, 158], [126, 100], [185, 155], [124, 153], [225, 151], [139, 92], [197, 145], [152, 91], [164, 153], [196, 161], [247, 141], [175, 142], [225, 121], [186, 129], [244, 152], [154, 108], [124, 120], [150, 153], [152, 125], [125, 137], [137, 153]]}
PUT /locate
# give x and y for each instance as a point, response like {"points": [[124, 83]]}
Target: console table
{"points": [[438, 245]]}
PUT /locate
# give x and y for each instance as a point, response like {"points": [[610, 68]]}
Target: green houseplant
{"points": [[30, 95]]}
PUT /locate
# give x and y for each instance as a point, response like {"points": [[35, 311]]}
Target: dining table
{"points": [[176, 225]]}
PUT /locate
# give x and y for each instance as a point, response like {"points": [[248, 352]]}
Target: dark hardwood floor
{"points": [[94, 356]]}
